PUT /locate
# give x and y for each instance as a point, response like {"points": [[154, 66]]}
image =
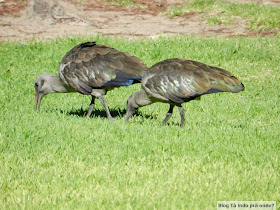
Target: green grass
{"points": [[260, 17], [120, 2], [58, 159]]}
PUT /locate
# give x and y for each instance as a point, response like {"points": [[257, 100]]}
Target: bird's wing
{"points": [[170, 87], [223, 81], [127, 69], [89, 66], [179, 80], [123, 79], [220, 79]]}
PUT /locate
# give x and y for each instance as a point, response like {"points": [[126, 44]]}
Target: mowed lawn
{"points": [[58, 159]]}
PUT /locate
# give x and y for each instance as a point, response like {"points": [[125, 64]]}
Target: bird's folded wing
{"points": [[122, 79]]}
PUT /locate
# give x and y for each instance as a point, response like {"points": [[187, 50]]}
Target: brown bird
{"points": [[91, 69], [176, 81]]}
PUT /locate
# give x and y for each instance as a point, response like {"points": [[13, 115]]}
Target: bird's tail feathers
{"points": [[224, 86], [236, 88]]}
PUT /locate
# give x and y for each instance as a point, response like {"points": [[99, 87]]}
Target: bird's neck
{"points": [[135, 101], [58, 86], [141, 98]]}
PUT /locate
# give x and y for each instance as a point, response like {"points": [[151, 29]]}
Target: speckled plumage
{"points": [[89, 66], [92, 69], [176, 81]]}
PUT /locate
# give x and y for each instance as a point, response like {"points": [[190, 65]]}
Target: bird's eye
{"points": [[36, 85]]}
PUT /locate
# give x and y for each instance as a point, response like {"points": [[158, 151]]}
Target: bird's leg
{"points": [[106, 107], [182, 114], [168, 114], [91, 106]]}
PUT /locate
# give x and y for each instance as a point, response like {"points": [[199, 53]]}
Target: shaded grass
{"points": [[260, 17], [228, 150]]}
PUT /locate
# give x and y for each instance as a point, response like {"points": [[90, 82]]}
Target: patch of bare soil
{"points": [[47, 19]]}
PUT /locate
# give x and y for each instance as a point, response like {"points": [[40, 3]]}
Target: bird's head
{"points": [[43, 85], [135, 101], [131, 105]]}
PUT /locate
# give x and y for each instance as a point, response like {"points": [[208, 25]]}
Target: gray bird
{"points": [[91, 69], [176, 81]]}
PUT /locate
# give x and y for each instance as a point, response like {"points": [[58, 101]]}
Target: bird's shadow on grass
{"points": [[114, 112], [101, 113], [96, 113]]}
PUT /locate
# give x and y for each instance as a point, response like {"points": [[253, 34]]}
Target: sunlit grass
{"points": [[228, 150], [259, 16], [120, 2]]}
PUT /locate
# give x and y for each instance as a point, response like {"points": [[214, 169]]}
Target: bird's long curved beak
{"points": [[38, 98]]}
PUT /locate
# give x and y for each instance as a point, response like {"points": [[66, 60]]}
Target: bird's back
{"points": [[178, 80], [90, 66]]}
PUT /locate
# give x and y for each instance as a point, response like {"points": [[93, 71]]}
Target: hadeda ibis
{"points": [[176, 81], [91, 69]]}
